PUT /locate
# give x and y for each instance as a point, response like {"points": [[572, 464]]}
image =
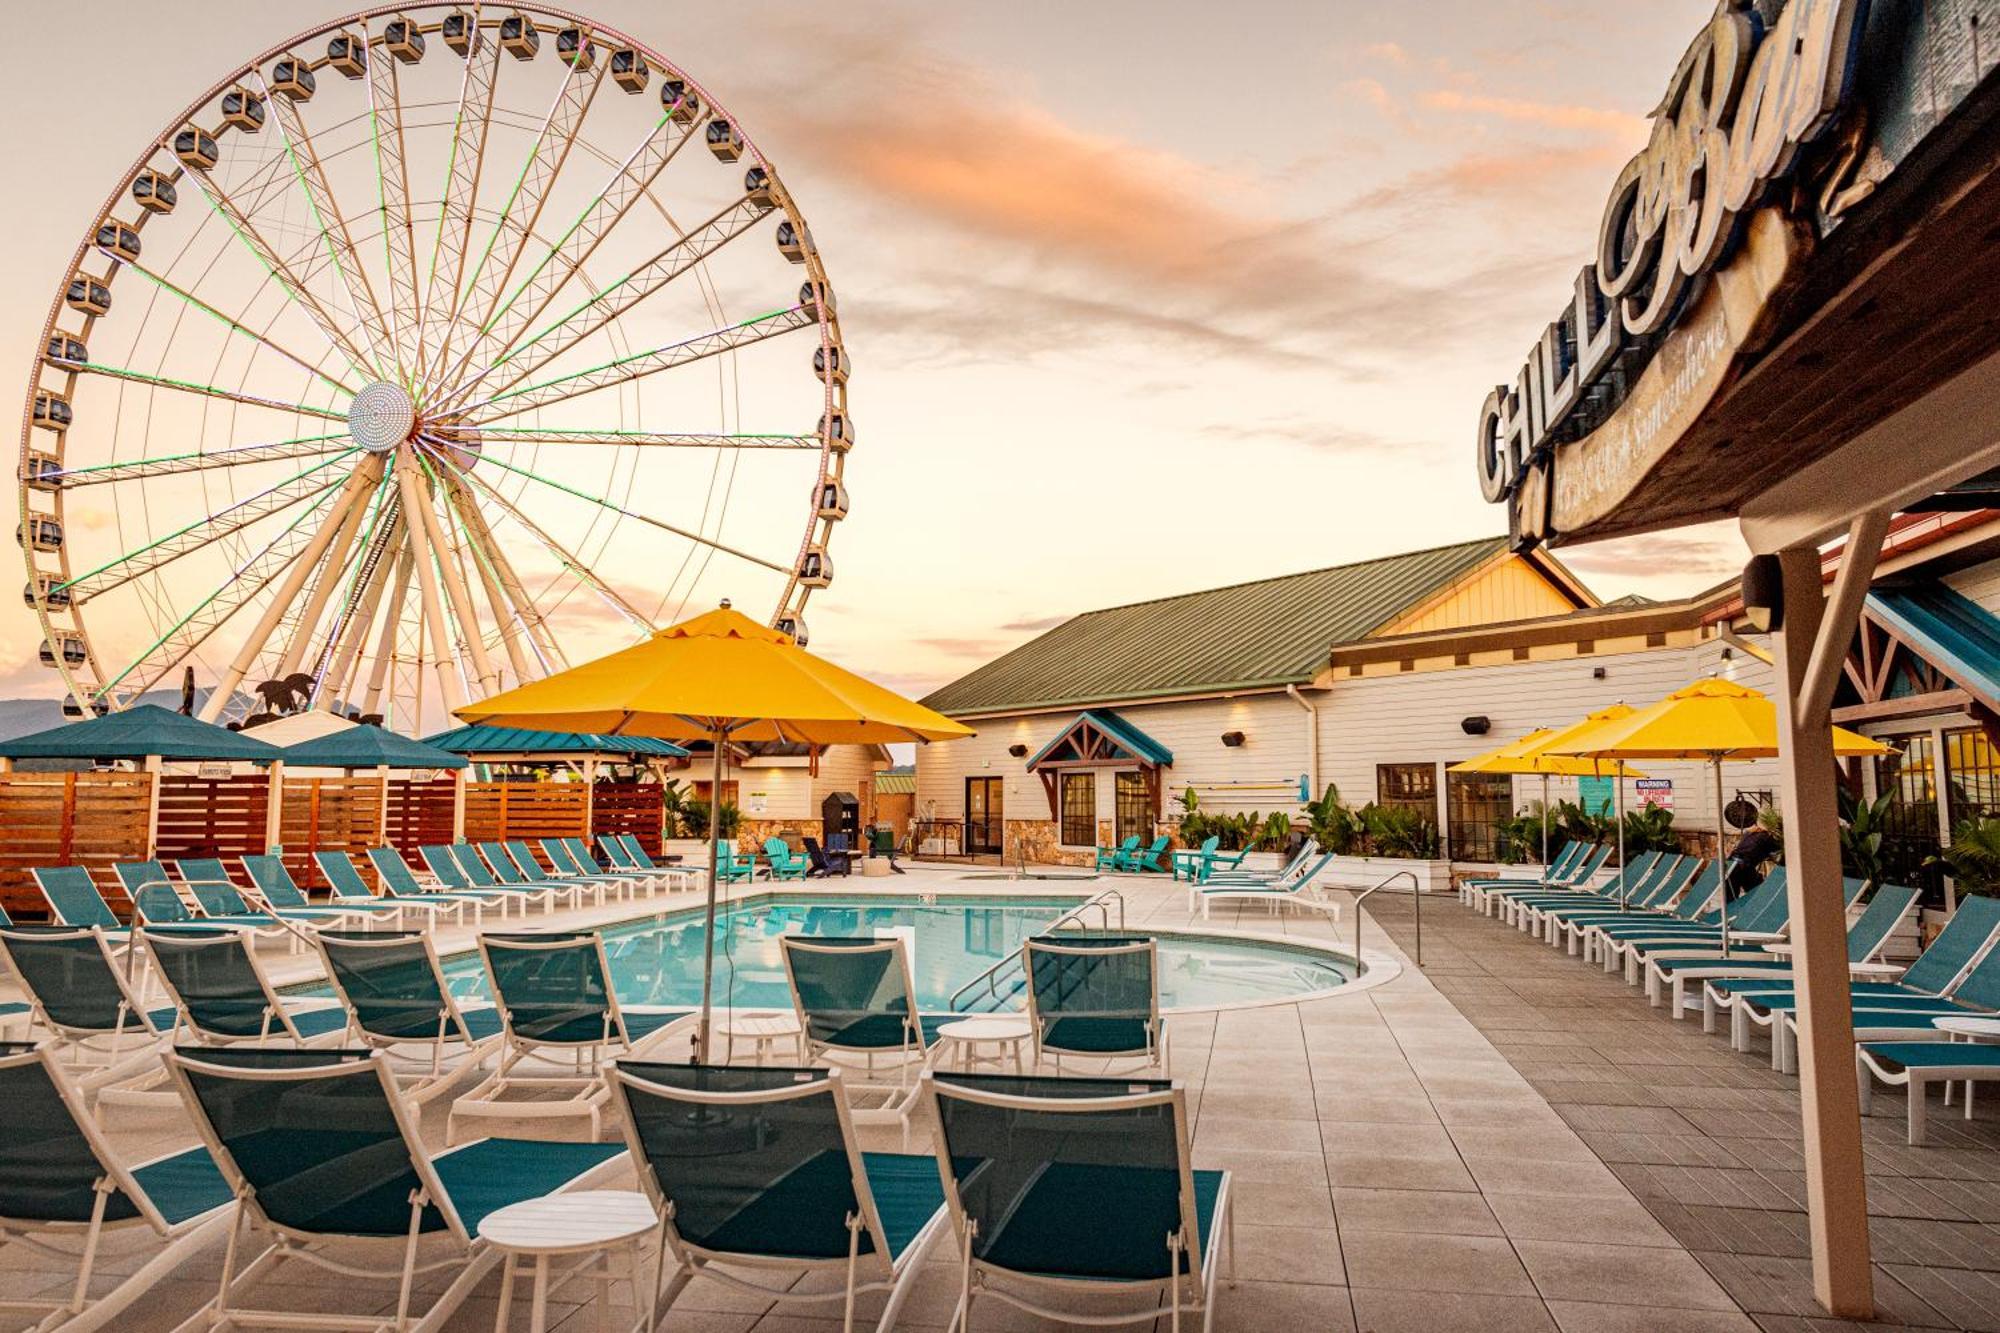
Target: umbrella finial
{"points": [[725, 603]]}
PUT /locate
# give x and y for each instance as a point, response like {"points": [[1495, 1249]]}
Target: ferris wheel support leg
{"points": [[456, 593], [341, 667], [392, 620], [324, 586], [416, 503], [510, 608], [351, 500]]}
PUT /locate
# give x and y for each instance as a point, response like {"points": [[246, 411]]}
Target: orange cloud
{"points": [[1596, 120]]}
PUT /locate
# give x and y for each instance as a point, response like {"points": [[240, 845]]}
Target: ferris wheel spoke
{"points": [[304, 446], [237, 327], [392, 177], [209, 614], [476, 538], [646, 439], [626, 186], [563, 556], [458, 597], [207, 391], [523, 208], [338, 336], [357, 610], [162, 551], [637, 517], [639, 365], [467, 161], [618, 298]]}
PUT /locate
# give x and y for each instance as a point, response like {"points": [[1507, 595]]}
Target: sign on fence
{"points": [[1656, 792]]}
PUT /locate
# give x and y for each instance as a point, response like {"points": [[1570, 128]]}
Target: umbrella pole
{"points": [[720, 738], [1624, 883], [1545, 826], [1721, 859]]}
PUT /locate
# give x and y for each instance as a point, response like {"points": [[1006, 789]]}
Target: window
{"points": [[1135, 807], [1973, 765], [1079, 809], [1910, 830], [1475, 804], [1414, 785]]}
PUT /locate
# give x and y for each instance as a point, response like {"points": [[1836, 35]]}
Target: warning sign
{"points": [[1655, 791]]}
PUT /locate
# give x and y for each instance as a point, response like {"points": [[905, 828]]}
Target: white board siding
{"points": [[1412, 717], [1981, 583], [790, 791]]}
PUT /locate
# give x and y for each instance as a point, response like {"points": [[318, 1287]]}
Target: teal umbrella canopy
{"points": [[144, 731], [368, 747], [480, 741]]}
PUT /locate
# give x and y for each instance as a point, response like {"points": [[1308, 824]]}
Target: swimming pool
{"points": [[657, 961]]}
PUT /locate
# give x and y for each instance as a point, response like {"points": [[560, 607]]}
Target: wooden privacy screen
{"points": [[628, 807], [331, 815], [213, 816], [53, 819], [499, 810], [419, 813]]}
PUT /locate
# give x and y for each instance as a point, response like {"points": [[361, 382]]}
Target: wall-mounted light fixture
{"points": [[1764, 593], [1598, 673], [1232, 739], [1476, 726], [1018, 751]]}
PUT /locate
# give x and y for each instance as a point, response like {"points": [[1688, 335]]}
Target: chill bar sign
{"points": [[1742, 102]]}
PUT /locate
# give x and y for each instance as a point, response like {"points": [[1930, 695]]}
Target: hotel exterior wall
{"points": [[1403, 717], [791, 794]]}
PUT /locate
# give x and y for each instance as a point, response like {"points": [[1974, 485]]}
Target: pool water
{"points": [[658, 961]]}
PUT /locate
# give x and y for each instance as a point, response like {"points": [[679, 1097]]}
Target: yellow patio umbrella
{"points": [[720, 677], [1530, 755], [1709, 721]]}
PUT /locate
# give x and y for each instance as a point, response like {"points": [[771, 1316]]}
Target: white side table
{"points": [[1966, 1027], [763, 1030], [595, 1224], [1006, 1033]]}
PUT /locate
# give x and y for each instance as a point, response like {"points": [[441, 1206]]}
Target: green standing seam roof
{"points": [[1250, 635], [895, 782], [1959, 636], [1136, 743], [482, 740], [141, 732], [369, 747]]}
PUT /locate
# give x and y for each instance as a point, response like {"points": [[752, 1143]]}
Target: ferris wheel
{"points": [[426, 352]]}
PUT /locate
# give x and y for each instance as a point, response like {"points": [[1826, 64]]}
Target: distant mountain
{"points": [[23, 717]]}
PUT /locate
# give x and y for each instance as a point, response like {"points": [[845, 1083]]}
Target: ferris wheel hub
{"points": [[382, 416]]}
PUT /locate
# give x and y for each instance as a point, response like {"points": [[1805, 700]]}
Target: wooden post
{"points": [[274, 806], [156, 769], [382, 819], [458, 806], [589, 798], [1836, 1177], [66, 842]]}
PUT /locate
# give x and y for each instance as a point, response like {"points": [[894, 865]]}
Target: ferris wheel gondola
{"points": [[393, 373]]}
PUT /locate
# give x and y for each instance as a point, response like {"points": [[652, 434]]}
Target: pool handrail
{"points": [[1101, 901]]}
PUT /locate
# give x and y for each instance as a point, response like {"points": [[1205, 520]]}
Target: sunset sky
{"points": [[1141, 298]]}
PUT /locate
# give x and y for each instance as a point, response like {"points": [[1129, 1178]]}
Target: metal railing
{"points": [[1417, 896], [990, 980]]}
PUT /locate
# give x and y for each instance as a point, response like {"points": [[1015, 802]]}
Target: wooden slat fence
{"points": [[53, 819], [330, 815], [213, 816], [499, 810], [628, 807], [419, 813]]}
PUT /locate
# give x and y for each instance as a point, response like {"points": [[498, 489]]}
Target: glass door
{"points": [[985, 817], [1134, 808]]}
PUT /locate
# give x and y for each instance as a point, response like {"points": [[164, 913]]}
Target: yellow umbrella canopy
{"points": [[719, 677], [1532, 754], [1710, 720], [719, 673]]}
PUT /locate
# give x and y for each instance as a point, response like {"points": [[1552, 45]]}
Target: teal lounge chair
{"points": [[1631, 885], [1119, 857], [560, 1021], [1647, 890], [454, 873], [281, 893], [73, 900], [636, 857], [561, 853], [1602, 934], [785, 863], [1915, 1065], [349, 888], [1301, 890], [1764, 911], [1572, 871], [856, 1004], [221, 996], [63, 1188], [759, 1174], [401, 883], [1676, 981], [583, 863], [1095, 997], [219, 898], [398, 1001], [524, 868], [157, 902], [77, 991], [329, 1171], [1078, 1185]]}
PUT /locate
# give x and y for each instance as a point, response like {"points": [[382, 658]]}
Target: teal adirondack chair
{"points": [[1188, 861], [1148, 860], [734, 867], [1119, 857], [785, 863]]}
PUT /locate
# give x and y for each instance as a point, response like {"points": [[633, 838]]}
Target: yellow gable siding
{"points": [[1509, 590]]}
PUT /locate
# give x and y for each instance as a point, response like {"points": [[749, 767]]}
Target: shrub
{"points": [[1650, 829], [694, 818]]}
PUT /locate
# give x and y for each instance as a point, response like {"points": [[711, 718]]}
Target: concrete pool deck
{"points": [[1422, 1154]]}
